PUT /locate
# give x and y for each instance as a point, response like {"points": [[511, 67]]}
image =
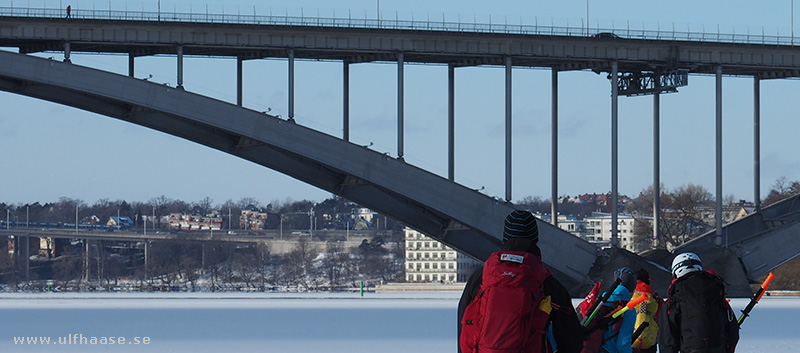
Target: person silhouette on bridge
{"points": [[69, 10], [521, 292]]}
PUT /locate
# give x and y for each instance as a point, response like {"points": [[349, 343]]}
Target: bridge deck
{"points": [[565, 51]]}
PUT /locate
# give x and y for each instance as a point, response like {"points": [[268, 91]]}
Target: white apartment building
{"points": [[568, 223], [428, 260], [365, 213], [598, 229]]}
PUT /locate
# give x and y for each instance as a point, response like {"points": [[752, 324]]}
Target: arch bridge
{"points": [[462, 218]]}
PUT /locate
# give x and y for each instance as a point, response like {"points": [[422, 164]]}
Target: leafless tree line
{"points": [[212, 266]]}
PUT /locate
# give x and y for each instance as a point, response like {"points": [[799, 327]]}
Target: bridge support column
{"points": [[656, 164], [400, 103], [130, 64], [718, 239], [67, 52], [86, 260], [757, 143], [146, 251], [239, 90], [346, 100], [614, 153], [180, 67], [27, 258], [554, 148], [291, 84], [451, 121], [508, 128]]}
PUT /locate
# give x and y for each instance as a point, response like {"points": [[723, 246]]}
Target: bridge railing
{"points": [[405, 24]]}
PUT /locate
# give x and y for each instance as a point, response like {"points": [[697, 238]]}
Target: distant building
{"points": [[730, 213], [122, 222], [181, 221], [253, 219], [598, 229], [569, 223], [428, 260], [375, 220], [365, 214], [745, 209], [52, 247]]}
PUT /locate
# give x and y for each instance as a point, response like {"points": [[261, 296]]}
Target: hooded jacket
{"points": [[617, 337]]}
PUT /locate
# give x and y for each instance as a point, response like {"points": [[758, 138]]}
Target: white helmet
{"points": [[685, 263]]}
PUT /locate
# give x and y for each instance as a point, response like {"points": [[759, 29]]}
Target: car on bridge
{"points": [[606, 36]]}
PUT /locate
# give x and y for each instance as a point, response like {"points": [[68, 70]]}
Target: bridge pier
{"points": [[718, 213], [67, 52], [508, 128], [757, 143], [130, 64], [86, 260], [400, 104], [614, 152], [27, 259], [656, 163], [554, 148], [291, 84], [451, 121], [346, 100], [180, 66], [239, 90]]}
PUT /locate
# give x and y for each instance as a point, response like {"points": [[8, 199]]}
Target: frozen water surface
{"points": [[285, 322]]}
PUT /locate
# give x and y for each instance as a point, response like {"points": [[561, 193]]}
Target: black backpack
{"points": [[704, 312]]}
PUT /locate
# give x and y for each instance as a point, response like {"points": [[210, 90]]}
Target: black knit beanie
{"points": [[643, 275], [521, 224]]}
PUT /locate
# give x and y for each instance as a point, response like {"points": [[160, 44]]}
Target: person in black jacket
{"points": [[698, 318], [521, 233]]}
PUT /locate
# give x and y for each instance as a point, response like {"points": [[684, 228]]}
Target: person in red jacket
{"points": [[521, 234]]}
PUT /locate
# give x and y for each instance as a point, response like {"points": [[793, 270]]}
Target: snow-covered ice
{"points": [[285, 322]]}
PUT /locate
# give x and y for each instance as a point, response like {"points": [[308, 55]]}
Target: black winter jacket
{"points": [[698, 318]]}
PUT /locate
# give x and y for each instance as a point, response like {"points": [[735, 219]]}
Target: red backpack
{"points": [[507, 315]]}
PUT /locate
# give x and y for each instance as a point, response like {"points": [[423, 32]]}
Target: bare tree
{"points": [[204, 206], [534, 204], [297, 266], [248, 202], [336, 265], [69, 267], [781, 190], [680, 214]]}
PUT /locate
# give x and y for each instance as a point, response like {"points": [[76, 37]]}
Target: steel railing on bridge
{"points": [[626, 32]]}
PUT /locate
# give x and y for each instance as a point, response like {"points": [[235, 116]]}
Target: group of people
{"points": [[514, 304]]}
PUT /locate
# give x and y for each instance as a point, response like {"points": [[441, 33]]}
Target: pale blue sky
{"points": [[55, 151]]}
